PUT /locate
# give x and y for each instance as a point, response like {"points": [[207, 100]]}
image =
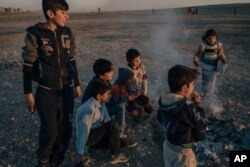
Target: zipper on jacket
{"points": [[59, 61]]}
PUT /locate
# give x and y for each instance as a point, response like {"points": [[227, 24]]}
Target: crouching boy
{"points": [[94, 126], [182, 119]]}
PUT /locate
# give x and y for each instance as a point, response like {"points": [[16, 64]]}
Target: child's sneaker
{"points": [[42, 164], [121, 158], [125, 142]]}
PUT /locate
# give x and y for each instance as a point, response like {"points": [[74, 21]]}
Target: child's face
{"points": [[107, 76], [136, 62], [60, 17], [189, 89], [104, 98], [212, 39]]}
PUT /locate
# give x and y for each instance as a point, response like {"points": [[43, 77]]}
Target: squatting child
{"points": [[94, 126], [122, 87], [104, 70], [139, 84]]}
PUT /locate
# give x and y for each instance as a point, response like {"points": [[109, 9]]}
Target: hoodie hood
{"points": [[170, 104], [124, 74], [170, 98], [41, 26]]}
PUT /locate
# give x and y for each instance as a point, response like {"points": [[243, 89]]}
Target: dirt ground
{"points": [[163, 40]]}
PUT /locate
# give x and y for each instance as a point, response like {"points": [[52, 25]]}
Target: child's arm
{"points": [[30, 55], [145, 85], [221, 55], [144, 82], [198, 118], [73, 62], [197, 55], [83, 125], [196, 115]]}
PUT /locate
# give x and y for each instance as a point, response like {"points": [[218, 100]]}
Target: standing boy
{"points": [[182, 119], [49, 60], [94, 126], [209, 53]]}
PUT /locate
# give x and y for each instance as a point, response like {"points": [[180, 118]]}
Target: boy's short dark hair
{"points": [[100, 87], [180, 75], [132, 54], [210, 32], [102, 66], [54, 5]]}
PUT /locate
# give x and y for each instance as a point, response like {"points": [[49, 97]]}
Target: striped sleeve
{"points": [[30, 55], [221, 54]]}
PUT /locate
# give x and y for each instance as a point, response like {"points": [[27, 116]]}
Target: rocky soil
{"points": [[163, 40]]}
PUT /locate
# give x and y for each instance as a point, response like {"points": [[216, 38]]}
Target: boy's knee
{"points": [[148, 108]]}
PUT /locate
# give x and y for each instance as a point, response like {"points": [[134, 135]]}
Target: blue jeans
{"points": [[208, 81], [118, 110]]}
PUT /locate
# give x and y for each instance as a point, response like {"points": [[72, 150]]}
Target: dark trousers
{"points": [[107, 135], [137, 106], [55, 110]]}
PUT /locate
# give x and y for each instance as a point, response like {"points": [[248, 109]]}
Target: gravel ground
{"points": [[163, 40]]}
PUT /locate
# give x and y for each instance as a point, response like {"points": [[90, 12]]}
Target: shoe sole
{"points": [[131, 146]]}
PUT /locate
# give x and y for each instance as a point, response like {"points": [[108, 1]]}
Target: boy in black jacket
{"points": [[49, 60], [182, 119]]}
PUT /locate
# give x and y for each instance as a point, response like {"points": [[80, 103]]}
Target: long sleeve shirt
{"points": [[90, 115], [140, 79], [210, 55]]}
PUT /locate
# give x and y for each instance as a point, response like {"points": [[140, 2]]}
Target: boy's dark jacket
{"points": [[49, 58], [181, 119]]}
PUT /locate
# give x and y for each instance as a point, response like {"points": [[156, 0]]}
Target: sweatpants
{"points": [[55, 110], [177, 156], [107, 135]]}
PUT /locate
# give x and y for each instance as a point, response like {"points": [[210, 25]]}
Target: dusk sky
{"points": [[110, 5]]}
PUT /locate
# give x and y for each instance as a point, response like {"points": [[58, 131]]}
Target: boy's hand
{"points": [[132, 97], [196, 61], [78, 92], [30, 102], [196, 97]]}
